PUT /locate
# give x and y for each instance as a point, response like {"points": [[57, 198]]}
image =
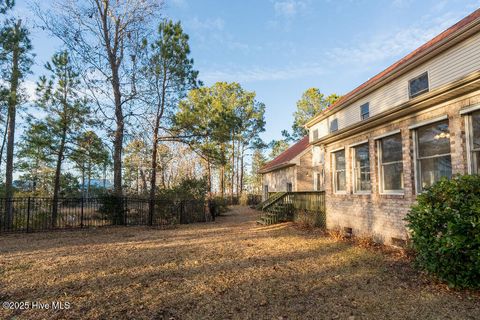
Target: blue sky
{"points": [[279, 48]]}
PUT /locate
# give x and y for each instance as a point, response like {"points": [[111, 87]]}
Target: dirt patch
{"points": [[227, 269]]}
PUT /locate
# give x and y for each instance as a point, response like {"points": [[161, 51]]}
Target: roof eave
{"points": [[277, 167], [470, 83], [443, 45]]}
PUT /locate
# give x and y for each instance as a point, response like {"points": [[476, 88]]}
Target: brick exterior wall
{"points": [[300, 175], [305, 172], [380, 215]]}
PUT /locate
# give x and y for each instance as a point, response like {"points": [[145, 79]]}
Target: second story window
{"points": [[365, 111], [315, 134], [334, 125], [418, 85]]}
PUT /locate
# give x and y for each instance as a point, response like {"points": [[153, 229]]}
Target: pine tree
{"points": [[15, 63], [66, 112]]}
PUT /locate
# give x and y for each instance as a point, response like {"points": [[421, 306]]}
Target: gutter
{"points": [[276, 167], [447, 92], [441, 46]]}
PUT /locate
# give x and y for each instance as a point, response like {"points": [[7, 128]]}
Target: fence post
{"points": [[81, 214], [151, 209], [125, 210], [28, 213]]}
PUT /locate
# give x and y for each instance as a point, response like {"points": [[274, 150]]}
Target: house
{"points": [[401, 131], [292, 170], [404, 129]]}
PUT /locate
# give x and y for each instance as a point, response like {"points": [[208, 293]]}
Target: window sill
{"points": [[362, 193], [392, 194], [340, 192]]}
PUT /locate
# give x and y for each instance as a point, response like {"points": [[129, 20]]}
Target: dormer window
{"points": [[418, 85], [365, 111], [333, 125]]}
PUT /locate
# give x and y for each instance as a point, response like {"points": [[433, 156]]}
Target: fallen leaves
{"points": [[230, 269]]}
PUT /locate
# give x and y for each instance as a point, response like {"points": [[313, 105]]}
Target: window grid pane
{"points": [[476, 162], [334, 125], [418, 85], [340, 175], [391, 163], [362, 168], [364, 111], [433, 154]]}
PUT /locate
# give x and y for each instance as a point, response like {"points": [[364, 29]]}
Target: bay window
{"points": [[361, 168], [391, 164], [433, 154], [339, 173]]}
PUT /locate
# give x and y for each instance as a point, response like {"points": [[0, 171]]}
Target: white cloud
{"points": [[386, 46], [179, 3], [256, 74], [289, 8], [30, 87], [216, 24], [401, 3]]}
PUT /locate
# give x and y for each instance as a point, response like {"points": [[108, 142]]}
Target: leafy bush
{"points": [[187, 189], [445, 230]]}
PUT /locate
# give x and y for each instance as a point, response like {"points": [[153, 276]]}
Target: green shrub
{"points": [[445, 230]]}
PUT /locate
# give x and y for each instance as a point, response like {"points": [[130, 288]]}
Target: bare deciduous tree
{"points": [[106, 36]]}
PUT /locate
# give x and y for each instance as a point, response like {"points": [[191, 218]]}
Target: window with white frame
{"points": [[475, 142], [418, 85], [391, 164], [365, 111], [334, 125], [361, 168], [339, 172], [433, 154]]}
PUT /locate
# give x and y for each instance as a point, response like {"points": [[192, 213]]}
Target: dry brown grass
{"points": [[230, 269]]}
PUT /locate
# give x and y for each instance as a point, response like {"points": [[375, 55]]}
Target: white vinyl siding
{"points": [[451, 65]]}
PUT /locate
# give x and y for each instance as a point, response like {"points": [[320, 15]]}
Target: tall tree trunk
{"points": [[83, 181], [144, 181], [237, 175], [105, 176], [209, 177], [4, 139], [118, 142], [56, 184], [153, 178], [12, 110], [241, 170], [232, 178], [89, 178], [222, 181]]}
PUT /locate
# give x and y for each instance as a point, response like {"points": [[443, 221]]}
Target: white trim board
{"points": [[470, 109], [358, 143], [429, 121], [387, 134]]}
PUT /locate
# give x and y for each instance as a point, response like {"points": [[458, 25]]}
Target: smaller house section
{"points": [[292, 170]]}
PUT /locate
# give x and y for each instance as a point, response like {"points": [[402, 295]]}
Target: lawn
{"points": [[229, 269]]}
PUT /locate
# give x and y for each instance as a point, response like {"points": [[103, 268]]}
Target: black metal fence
{"points": [[38, 214]]}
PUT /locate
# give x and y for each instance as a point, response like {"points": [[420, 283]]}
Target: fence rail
{"points": [[311, 203], [37, 214]]}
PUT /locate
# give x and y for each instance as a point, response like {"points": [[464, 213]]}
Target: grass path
{"points": [[228, 269]]}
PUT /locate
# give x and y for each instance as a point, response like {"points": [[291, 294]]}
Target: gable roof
{"points": [[409, 58], [284, 159]]}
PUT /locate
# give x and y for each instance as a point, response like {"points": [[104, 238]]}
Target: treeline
{"points": [[121, 98]]}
